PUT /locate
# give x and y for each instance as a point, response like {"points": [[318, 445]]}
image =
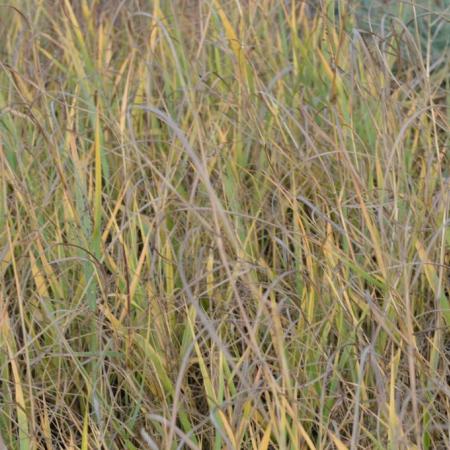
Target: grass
{"points": [[223, 225]]}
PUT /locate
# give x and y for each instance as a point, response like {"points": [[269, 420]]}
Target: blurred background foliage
{"points": [[428, 20]]}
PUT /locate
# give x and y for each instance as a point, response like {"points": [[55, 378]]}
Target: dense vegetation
{"points": [[224, 225]]}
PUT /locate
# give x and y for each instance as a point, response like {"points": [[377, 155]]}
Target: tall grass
{"points": [[223, 225]]}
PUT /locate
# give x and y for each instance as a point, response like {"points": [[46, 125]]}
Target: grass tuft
{"points": [[224, 225]]}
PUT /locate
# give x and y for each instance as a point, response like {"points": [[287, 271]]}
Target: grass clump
{"points": [[223, 225]]}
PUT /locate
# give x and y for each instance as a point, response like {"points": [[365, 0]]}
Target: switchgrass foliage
{"points": [[223, 225]]}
